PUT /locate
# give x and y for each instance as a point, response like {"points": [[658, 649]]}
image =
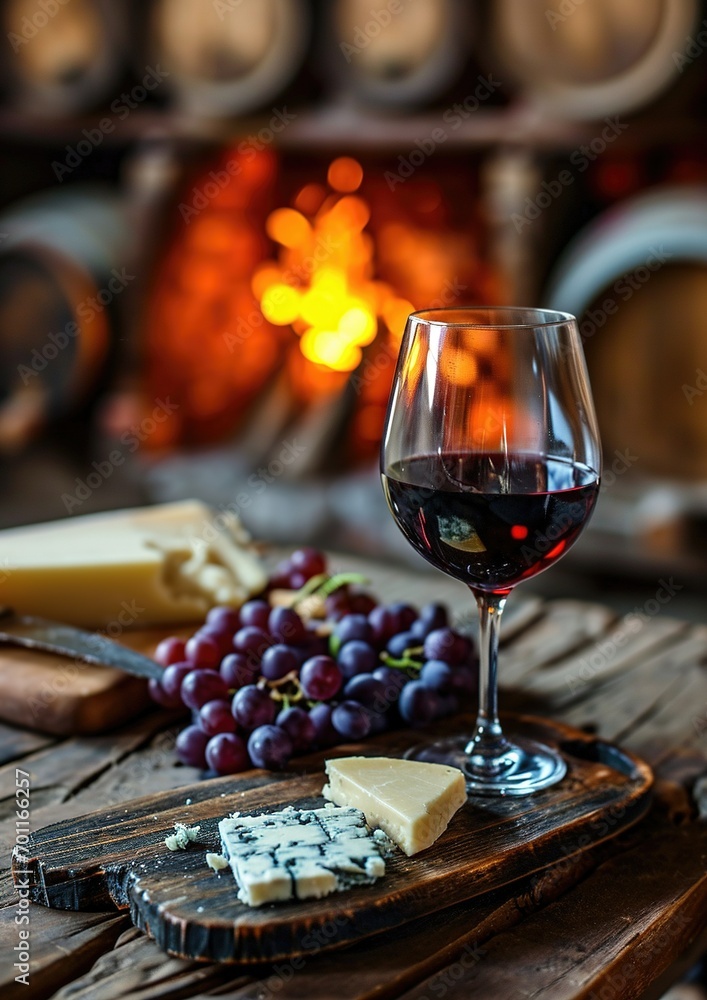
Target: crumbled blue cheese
{"points": [[216, 861], [300, 853], [180, 839]]}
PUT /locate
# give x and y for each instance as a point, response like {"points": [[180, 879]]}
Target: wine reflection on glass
{"points": [[491, 465]]}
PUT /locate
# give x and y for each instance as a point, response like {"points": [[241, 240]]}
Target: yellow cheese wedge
{"points": [[412, 802], [129, 568]]}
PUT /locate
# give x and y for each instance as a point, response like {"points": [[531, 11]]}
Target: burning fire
{"points": [[322, 282]]}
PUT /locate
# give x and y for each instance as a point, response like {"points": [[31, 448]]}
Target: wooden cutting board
{"points": [[67, 697], [116, 858]]}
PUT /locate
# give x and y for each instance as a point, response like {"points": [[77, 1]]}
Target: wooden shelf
{"points": [[338, 126]]}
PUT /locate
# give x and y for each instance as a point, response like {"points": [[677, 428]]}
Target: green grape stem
{"points": [[405, 662]]}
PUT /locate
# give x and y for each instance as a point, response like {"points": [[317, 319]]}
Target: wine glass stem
{"points": [[488, 744]]}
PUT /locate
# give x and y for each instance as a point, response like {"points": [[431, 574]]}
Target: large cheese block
{"points": [[411, 801], [299, 853], [130, 568]]}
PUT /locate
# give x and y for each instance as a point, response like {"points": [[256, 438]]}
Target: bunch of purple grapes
{"points": [[263, 684]]}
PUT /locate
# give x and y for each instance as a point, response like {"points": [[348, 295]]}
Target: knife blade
{"points": [[91, 647]]}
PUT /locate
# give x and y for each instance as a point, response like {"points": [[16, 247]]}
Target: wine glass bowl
{"points": [[490, 465]]}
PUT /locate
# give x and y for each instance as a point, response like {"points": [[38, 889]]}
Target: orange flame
{"points": [[322, 281]]}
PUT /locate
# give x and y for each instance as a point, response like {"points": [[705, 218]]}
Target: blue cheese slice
{"points": [[300, 853]]}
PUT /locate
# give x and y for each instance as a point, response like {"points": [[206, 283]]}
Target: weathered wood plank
{"points": [[616, 931], [613, 653], [616, 706], [565, 627], [17, 743]]}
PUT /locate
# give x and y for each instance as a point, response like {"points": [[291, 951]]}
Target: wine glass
{"points": [[490, 465]]}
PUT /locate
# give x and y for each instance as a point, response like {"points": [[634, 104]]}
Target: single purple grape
{"points": [[252, 707], [252, 641], [418, 704], [326, 735], [255, 614], [285, 625], [356, 657], [406, 615], [320, 678], [393, 680], [352, 627], [224, 619], [215, 717], [278, 661], [438, 675], [238, 670], [384, 623], [227, 753], [351, 720], [310, 562], [200, 686], [270, 747], [191, 746], [169, 651], [299, 726], [172, 677], [445, 644], [203, 652], [368, 691]]}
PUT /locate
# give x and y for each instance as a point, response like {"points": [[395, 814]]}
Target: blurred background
{"points": [[216, 215]]}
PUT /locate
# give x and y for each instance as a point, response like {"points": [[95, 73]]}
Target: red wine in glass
{"points": [[491, 520], [491, 466]]}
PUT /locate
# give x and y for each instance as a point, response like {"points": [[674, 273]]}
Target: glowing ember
{"points": [[322, 282]]}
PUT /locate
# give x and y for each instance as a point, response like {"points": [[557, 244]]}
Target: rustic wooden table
{"points": [[623, 919]]}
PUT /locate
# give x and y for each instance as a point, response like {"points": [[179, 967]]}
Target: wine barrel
{"points": [[228, 57], [636, 278], [67, 53], [590, 58], [400, 54], [61, 268]]}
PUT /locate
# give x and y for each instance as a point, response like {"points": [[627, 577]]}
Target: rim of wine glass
{"points": [[432, 316]]}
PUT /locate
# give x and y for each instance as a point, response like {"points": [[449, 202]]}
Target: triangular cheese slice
{"points": [[411, 801]]}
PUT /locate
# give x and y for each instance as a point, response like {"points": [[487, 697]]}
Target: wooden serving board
{"points": [[68, 697], [116, 858]]}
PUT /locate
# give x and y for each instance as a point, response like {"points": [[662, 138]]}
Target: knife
{"points": [[92, 647]]}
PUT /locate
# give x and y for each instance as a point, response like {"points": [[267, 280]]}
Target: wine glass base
{"points": [[524, 767]]}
